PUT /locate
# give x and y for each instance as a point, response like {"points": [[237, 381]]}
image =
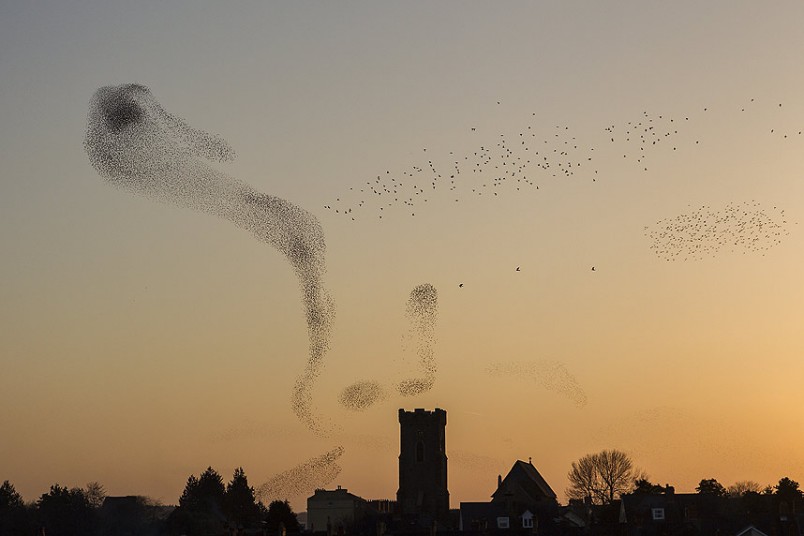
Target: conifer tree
{"points": [[240, 506]]}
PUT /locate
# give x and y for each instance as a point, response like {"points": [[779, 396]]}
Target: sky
{"points": [[646, 298]]}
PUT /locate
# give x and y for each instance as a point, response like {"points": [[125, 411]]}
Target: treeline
{"points": [[207, 506], [604, 476]]}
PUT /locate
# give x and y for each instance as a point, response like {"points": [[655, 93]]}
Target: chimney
{"points": [[499, 481]]}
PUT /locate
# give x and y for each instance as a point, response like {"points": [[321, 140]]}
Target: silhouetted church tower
{"points": [[423, 465]]}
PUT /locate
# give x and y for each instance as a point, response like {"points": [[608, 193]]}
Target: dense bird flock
{"points": [[312, 474], [362, 395], [422, 312], [706, 231], [136, 145]]}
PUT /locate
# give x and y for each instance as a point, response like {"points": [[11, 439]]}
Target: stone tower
{"points": [[423, 465]]}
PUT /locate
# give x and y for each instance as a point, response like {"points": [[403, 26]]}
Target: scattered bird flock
{"points": [[552, 375], [519, 163], [509, 164], [673, 431]]}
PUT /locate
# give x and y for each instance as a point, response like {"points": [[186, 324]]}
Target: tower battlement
{"points": [[436, 416]]}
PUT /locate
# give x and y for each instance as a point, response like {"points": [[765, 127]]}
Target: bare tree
{"points": [[584, 480], [602, 477], [95, 494], [738, 489]]}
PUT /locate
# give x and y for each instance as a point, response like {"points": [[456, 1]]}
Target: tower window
{"points": [[420, 451]]}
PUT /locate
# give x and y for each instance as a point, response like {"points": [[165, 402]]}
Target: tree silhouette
{"points": [[211, 491], [204, 494], [602, 477], [738, 489], [200, 509], [9, 498], [66, 512], [788, 489], [710, 486], [788, 495], [645, 487], [584, 482], [280, 513], [239, 504], [14, 516], [189, 499], [95, 494]]}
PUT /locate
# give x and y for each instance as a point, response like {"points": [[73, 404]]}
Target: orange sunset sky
{"points": [[141, 342]]}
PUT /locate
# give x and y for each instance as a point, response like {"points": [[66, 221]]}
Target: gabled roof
{"points": [[573, 518], [525, 477], [751, 530]]}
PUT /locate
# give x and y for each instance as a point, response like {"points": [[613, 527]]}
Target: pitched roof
{"points": [[523, 475], [751, 530]]}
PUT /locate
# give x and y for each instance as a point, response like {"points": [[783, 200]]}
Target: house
{"points": [[334, 511], [753, 514], [483, 516], [671, 513], [521, 503]]}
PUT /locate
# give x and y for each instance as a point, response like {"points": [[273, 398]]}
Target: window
{"points": [[420, 451], [502, 522], [658, 514], [527, 522]]}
